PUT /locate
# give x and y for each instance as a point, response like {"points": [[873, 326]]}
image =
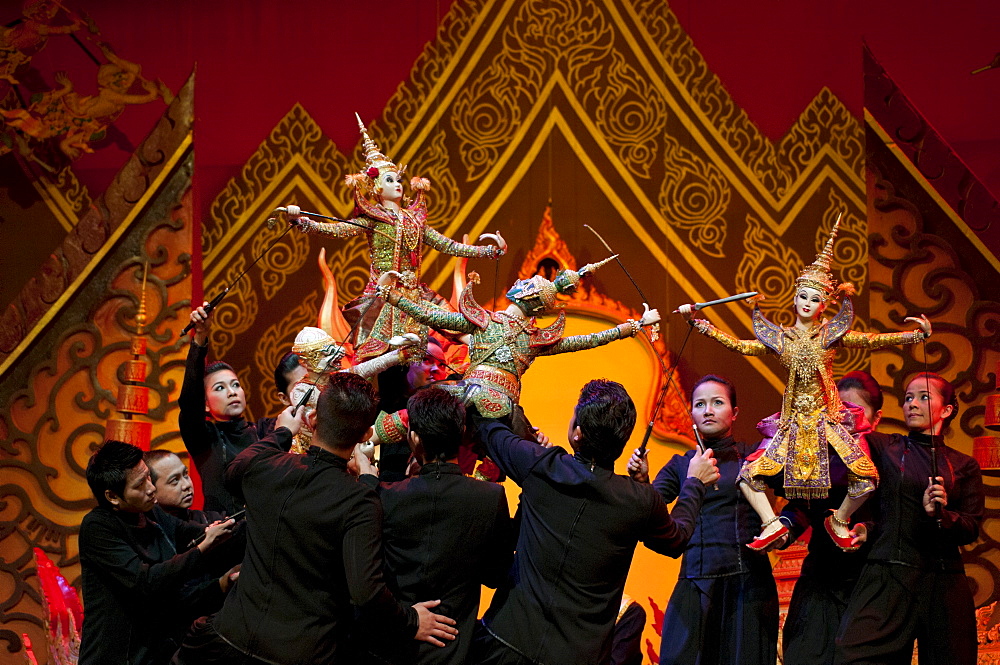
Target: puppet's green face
{"points": [[533, 295]]}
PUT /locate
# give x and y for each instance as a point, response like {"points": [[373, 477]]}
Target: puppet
{"points": [[396, 234], [812, 419]]}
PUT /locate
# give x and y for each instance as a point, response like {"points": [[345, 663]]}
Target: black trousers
{"points": [[893, 605], [731, 619], [488, 650], [202, 645], [814, 614]]}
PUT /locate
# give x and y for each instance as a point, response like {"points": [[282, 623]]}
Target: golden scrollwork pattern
{"points": [[825, 123], [347, 263], [456, 28], [235, 314], [487, 113], [286, 257], [694, 197], [631, 119], [850, 252], [296, 140], [434, 163], [576, 34], [752, 147], [770, 268], [277, 341]]}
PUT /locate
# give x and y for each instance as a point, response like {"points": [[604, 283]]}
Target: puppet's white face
{"points": [[809, 303], [390, 187]]}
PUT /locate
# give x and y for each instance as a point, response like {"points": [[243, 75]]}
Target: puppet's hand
{"points": [[649, 316], [921, 321], [498, 239], [404, 340]]}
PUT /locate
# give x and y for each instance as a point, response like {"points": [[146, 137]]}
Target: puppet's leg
{"points": [[862, 478], [771, 528]]}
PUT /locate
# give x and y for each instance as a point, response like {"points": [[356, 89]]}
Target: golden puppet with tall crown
{"points": [[397, 233], [794, 456]]}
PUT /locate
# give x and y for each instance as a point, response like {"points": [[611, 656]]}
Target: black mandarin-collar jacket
{"points": [[139, 594], [314, 551], [725, 522], [213, 445], [903, 532], [444, 535], [579, 529]]}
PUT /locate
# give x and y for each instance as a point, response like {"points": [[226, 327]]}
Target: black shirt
{"points": [[213, 445], [314, 541], [444, 535], [903, 531], [725, 523], [579, 528], [136, 597]]}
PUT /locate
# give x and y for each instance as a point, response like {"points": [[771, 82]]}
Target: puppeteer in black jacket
{"points": [[137, 600], [579, 528], [212, 444], [444, 536], [313, 555]]}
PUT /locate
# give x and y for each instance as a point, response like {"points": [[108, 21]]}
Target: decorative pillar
{"points": [[986, 449], [133, 394]]}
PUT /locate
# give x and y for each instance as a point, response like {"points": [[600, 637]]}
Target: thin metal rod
{"points": [[663, 392], [627, 273], [930, 418], [217, 299]]}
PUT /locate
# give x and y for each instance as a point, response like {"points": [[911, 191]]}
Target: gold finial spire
{"points": [[817, 275], [374, 158], [140, 318], [592, 267]]}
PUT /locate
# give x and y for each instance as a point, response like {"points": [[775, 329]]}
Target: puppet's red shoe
{"points": [[843, 542], [758, 543]]}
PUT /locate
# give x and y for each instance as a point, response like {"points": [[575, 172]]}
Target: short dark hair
{"points": [[439, 418], [345, 410], [945, 389], [866, 383], [217, 366], [605, 415], [108, 469], [722, 381], [288, 363], [151, 457]]}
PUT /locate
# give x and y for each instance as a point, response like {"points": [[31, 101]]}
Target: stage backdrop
{"points": [[532, 118]]}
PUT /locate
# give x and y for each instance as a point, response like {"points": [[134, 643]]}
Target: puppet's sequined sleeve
{"points": [[446, 245], [746, 347], [862, 340], [335, 229], [379, 364], [589, 341], [435, 317]]}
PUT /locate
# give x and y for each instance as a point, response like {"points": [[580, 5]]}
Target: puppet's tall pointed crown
{"points": [[817, 274], [374, 158]]}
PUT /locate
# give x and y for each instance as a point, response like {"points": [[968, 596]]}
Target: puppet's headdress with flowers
{"points": [[817, 274], [376, 164]]}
